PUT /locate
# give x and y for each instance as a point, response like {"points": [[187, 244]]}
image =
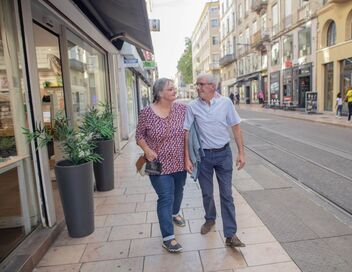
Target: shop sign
{"points": [[288, 63], [130, 62], [149, 64]]}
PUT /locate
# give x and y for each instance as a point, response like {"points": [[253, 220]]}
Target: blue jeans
{"points": [[169, 189], [339, 110], [221, 162]]}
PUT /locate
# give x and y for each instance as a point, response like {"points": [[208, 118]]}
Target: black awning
{"points": [[120, 20]]}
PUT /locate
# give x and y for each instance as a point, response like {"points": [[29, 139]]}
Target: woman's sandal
{"points": [[179, 221], [172, 248]]}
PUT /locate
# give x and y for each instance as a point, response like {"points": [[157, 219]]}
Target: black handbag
{"points": [[153, 168]]}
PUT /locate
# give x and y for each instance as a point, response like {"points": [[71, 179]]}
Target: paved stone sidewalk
{"points": [[127, 235]]}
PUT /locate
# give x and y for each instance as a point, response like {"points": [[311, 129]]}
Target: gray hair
{"points": [[158, 87], [209, 77]]}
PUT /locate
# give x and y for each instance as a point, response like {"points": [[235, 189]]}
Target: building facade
{"points": [[334, 54], [228, 46], [206, 42], [54, 58]]}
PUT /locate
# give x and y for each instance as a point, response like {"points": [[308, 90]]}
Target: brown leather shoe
{"points": [[206, 227], [234, 242]]}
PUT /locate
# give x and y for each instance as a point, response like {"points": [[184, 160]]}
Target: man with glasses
{"points": [[214, 114]]}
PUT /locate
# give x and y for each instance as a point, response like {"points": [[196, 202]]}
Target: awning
{"points": [[120, 20]]}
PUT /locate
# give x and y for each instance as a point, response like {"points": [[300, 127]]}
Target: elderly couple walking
{"points": [[163, 132]]}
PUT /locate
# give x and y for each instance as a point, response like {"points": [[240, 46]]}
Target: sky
{"points": [[177, 21]]}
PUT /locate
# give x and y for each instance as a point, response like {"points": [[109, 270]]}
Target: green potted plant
{"points": [[99, 123], [74, 174]]}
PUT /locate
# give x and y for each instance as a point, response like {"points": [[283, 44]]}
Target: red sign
{"points": [[288, 63]]}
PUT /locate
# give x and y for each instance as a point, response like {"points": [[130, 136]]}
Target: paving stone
{"points": [[62, 255], [106, 251], [279, 267], [186, 261], [123, 265], [115, 208], [125, 219], [130, 232], [266, 253], [99, 235], [222, 259]]}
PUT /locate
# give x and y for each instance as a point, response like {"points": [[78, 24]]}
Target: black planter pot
{"points": [[75, 184], [104, 170]]}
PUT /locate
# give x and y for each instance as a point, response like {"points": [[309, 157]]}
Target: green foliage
{"points": [[45, 135], [184, 65], [78, 145], [99, 123]]}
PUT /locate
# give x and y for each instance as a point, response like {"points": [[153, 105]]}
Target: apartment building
{"points": [[206, 42], [271, 49], [334, 53], [227, 46], [251, 46]]}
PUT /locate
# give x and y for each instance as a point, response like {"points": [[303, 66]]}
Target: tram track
{"points": [[294, 177]]}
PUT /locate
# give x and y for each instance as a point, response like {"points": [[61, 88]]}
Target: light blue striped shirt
{"points": [[213, 120]]}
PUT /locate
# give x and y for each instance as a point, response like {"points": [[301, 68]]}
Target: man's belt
{"points": [[217, 149]]}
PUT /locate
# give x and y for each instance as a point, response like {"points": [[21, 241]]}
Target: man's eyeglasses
{"points": [[201, 84]]}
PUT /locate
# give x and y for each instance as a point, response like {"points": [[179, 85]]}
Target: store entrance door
{"points": [[51, 93], [304, 86]]}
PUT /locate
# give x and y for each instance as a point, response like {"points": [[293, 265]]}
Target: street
{"points": [[303, 186]]}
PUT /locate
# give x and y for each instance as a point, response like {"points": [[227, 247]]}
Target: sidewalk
{"points": [[127, 235], [324, 118]]}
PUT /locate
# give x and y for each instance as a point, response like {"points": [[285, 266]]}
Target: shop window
{"points": [[275, 54], [287, 51], [87, 71], [18, 203], [304, 42], [331, 34]]}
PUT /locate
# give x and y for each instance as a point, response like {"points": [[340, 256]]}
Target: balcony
{"points": [[259, 5], [259, 38], [225, 60]]}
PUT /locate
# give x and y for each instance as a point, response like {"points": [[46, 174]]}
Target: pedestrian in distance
{"points": [[237, 99], [214, 114], [160, 134], [232, 97], [338, 105], [348, 99]]}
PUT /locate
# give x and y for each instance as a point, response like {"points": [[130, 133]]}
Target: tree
{"points": [[184, 65]]}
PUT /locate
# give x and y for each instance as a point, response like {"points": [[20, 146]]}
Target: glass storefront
{"points": [[87, 75], [131, 98], [18, 203], [144, 92]]}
